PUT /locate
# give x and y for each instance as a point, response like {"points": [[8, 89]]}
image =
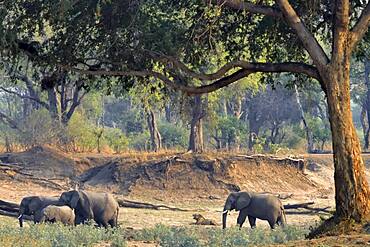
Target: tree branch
{"points": [[361, 27], [247, 69], [250, 7], [309, 41], [22, 77], [25, 97]]}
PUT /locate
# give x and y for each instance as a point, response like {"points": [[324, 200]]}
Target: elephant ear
{"points": [[242, 201], [75, 198]]}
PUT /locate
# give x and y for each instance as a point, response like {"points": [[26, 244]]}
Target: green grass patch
{"points": [[214, 237], [196, 236], [57, 235]]}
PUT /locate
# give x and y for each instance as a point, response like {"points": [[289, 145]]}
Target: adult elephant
{"points": [[254, 205], [101, 207], [33, 205]]}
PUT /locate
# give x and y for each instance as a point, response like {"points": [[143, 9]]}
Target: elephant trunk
{"points": [[20, 216], [224, 215], [20, 219]]}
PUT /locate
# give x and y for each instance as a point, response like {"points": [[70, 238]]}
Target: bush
{"points": [[173, 136], [39, 129], [140, 141], [81, 133], [116, 139]]}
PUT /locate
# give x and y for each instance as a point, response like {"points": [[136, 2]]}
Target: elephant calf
{"points": [[63, 214], [255, 205]]}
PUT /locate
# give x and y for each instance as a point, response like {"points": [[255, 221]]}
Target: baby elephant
{"points": [[63, 214], [200, 220]]}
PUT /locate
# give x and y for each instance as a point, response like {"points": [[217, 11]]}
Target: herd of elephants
{"points": [[78, 207]]}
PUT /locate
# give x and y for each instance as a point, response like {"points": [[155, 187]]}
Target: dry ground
{"points": [[314, 186]]}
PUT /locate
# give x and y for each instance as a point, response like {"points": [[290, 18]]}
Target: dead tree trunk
{"points": [[155, 136]]}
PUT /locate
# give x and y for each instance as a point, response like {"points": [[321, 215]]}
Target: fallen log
{"points": [[299, 205], [15, 215], [9, 206], [306, 206], [135, 204]]}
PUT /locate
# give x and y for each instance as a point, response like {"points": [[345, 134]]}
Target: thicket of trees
{"points": [[163, 55], [260, 119]]}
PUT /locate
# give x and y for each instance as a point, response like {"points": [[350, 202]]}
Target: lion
{"points": [[200, 220]]}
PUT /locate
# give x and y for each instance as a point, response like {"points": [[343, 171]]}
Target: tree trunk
{"points": [[196, 126], [309, 136], [352, 194], [364, 125], [168, 113], [155, 137], [53, 103], [367, 101], [253, 129]]}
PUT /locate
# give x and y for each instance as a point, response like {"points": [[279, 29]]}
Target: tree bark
{"points": [[155, 136], [352, 194]]}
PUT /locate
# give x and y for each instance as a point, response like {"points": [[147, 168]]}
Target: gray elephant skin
{"points": [[33, 205], [255, 206], [63, 214], [101, 207]]}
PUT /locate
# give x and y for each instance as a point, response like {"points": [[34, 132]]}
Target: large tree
{"points": [[171, 41]]}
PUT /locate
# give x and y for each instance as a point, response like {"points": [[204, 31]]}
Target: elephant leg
{"points": [[241, 218], [112, 222], [272, 224], [37, 216], [252, 221], [279, 221]]}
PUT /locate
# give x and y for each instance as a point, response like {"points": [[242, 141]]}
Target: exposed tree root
{"points": [[335, 226]]}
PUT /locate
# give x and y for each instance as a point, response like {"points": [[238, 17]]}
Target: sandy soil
{"points": [[313, 185]]}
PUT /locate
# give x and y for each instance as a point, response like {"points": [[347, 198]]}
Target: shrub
{"points": [[81, 133], [140, 141], [173, 136], [39, 129], [116, 139]]}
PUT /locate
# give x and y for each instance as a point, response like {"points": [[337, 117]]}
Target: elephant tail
{"points": [[117, 215]]}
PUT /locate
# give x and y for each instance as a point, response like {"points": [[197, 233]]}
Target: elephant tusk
{"points": [[20, 216], [225, 212]]}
